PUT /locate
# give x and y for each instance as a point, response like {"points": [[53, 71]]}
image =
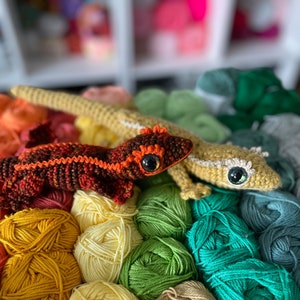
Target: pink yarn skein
{"points": [[171, 15], [198, 9]]}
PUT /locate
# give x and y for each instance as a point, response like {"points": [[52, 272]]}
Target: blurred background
{"points": [[72, 44]]}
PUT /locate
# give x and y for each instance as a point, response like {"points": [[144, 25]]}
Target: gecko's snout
{"points": [[176, 149]]}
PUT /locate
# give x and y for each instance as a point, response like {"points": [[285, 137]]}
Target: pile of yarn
{"points": [[179, 25], [162, 261], [240, 99], [226, 253], [184, 108], [38, 255], [274, 216], [107, 236], [274, 128]]}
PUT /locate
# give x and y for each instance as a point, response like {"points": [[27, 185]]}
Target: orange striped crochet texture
{"points": [[75, 166]]}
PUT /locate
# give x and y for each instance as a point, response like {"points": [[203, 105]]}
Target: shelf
{"points": [[65, 71], [253, 53], [149, 68]]}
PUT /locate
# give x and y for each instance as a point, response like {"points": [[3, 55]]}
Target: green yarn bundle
{"points": [[155, 265], [162, 212], [252, 95], [182, 107]]}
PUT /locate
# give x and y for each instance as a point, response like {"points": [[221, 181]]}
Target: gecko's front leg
{"points": [[189, 189]]}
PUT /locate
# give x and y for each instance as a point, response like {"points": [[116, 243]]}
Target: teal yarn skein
{"points": [[254, 279], [269, 209], [155, 265], [162, 212], [218, 240], [229, 202]]}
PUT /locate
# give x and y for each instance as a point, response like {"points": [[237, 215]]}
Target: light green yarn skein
{"points": [[151, 102], [162, 212], [205, 126], [183, 102]]}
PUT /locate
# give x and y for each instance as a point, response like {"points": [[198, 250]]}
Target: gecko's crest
{"points": [[155, 129]]}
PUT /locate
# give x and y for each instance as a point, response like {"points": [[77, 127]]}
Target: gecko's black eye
{"points": [[237, 175], [150, 162]]}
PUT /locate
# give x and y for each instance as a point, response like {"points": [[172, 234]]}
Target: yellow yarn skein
{"points": [[90, 208], [100, 289], [39, 230], [93, 134], [33, 276], [101, 249]]}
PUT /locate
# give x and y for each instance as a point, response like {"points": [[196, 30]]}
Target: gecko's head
{"points": [[154, 151], [233, 167]]}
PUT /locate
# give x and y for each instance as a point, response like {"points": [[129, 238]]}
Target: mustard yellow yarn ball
{"points": [[90, 208], [39, 276], [103, 290], [101, 249], [34, 230]]}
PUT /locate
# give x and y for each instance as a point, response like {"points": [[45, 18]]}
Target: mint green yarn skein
{"points": [[162, 212], [206, 126], [184, 102], [151, 102], [155, 265]]}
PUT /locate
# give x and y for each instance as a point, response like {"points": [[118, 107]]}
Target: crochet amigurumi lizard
{"points": [[224, 165], [73, 166]]}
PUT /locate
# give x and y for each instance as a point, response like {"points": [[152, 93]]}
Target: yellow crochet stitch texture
{"points": [[224, 165]]}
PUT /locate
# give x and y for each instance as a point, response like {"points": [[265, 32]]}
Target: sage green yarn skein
{"points": [[151, 101], [162, 212], [155, 265], [184, 102]]}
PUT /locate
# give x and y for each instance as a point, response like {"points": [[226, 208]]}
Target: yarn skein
{"points": [[155, 265], [38, 230], [281, 245], [253, 279], [275, 208], [100, 289], [162, 212], [101, 249], [90, 208], [275, 218], [39, 276], [219, 200], [219, 239], [189, 290]]}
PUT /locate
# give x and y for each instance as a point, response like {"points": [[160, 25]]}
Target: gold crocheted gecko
{"points": [[224, 165]]}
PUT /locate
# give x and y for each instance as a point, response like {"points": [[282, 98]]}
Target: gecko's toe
{"points": [[196, 191]]}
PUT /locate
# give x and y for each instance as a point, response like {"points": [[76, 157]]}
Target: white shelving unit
{"points": [[125, 70]]}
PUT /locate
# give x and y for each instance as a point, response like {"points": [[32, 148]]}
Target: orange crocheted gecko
{"points": [[74, 166], [223, 165]]}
